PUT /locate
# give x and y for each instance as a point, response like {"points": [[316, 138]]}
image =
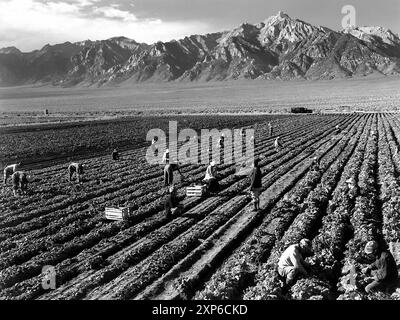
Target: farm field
{"points": [[41, 145], [217, 247]]}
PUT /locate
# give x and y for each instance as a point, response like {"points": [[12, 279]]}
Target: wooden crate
{"points": [[118, 214], [196, 191]]}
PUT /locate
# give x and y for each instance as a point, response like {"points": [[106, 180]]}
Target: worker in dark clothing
{"points": [[221, 140], [255, 185], [169, 173], [221, 148], [384, 269], [115, 154], [77, 169], [172, 206], [20, 182]]}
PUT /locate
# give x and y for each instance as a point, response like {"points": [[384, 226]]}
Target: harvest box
{"points": [[119, 214], [196, 191]]}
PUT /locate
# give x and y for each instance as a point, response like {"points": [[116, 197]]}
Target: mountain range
{"points": [[278, 48]]}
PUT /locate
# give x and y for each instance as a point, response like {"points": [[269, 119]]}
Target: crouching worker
{"points": [[172, 206], [9, 170], [211, 178], [115, 155], [20, 182], [291, 264], [77, 169], [315, 164], [255, 185], [384, 269]]}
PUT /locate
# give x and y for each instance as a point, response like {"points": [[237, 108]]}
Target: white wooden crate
{"points": [[118, 214], [196, 191]]}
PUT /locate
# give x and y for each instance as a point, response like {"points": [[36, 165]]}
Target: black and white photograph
{"points": [[200, 154]]}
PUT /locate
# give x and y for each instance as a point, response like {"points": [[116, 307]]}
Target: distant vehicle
{"points": [[300, 110]]}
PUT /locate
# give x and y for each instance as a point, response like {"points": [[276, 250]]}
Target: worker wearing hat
{"points": [[211, 178], [384, 269], [315, 165], [291, 264]]}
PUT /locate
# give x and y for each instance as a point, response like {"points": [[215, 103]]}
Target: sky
{"points": [[31, 24]]}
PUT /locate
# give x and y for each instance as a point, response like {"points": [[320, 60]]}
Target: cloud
{"points": [[113, 12], [30, 24]]}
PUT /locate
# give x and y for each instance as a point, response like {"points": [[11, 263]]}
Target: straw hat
{"points": [[370, 247]]}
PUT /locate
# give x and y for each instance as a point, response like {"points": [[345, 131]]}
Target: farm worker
{"points": [[384, 269], [153, 145], [337, 128], [270, 129], [211, 178], [75, 168], [19, 181], [165, 158], [291, 263], [9, 170], [351, 184], [315, 164], [172, 205], [221, 140], [256, 184], [115, 154], [169, 173], [277, 144]]}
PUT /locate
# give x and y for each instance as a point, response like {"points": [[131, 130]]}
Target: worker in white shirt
{"points": [[9, 170], [292, 264], [211, 178], [277, 144]]}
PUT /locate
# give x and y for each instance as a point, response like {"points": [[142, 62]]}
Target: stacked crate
{"points": [[196, 191], [118, 214]]}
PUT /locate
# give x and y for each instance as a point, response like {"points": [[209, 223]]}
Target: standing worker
{"points": [[153, 146], [9, 170], [221, 141], [165, 158], [169, 173], [169, 170], [211, 178], [221, 148], [115, 155], [77, 169], [291, 263], [20, 182], [277, 144], [384, 269], [256, 184], [270, 129]]}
